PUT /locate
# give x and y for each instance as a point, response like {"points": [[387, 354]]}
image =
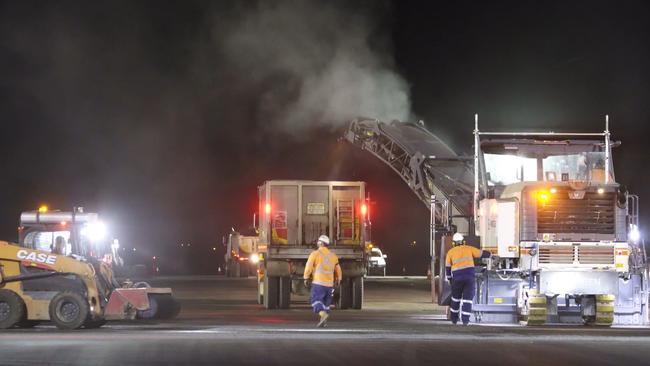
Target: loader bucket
{"points": [[125, 302]]}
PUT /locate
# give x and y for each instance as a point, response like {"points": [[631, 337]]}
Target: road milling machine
{"points": [[293, 214], [58, 272], [565, 232]]}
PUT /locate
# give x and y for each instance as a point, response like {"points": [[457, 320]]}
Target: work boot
{"points": [[454, 322], [323, 318], [466, 323]]}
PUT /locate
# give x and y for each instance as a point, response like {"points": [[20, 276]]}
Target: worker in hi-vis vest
{"points": [[324, 266], [459, 270]]}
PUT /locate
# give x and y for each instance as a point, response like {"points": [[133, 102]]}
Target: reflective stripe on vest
{"points": [[326, 261], [462, 259]]}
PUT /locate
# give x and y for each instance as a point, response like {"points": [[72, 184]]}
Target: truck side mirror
{"points": [[385, 256]]}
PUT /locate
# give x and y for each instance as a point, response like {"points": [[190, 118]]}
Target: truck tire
{"points": [[357, 292], [345, 294], [244, 269], [271, 292], [12, 309], [69, 310], [260, 292], [285, 292]]}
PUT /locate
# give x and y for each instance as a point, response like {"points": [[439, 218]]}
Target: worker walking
{"points": [[459, 269], [324, 266]]}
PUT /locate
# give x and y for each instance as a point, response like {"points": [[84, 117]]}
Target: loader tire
{"points": [[357, 293], [12, 309], [69, 310]]}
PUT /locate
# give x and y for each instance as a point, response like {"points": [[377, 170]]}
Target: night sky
{"points": [[165, 116]]}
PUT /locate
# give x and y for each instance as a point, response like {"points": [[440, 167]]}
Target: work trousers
{"points": [[321, 297], [462, 297]]}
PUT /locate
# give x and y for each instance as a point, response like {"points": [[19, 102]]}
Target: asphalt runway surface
{"points": [[221, 324]]}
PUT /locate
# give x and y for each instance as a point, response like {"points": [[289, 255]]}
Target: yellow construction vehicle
{"points": [[52, 275]]}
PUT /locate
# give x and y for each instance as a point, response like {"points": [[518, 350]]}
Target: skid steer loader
{"points": [[68, 284]]}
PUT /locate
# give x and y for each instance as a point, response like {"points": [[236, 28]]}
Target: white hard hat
{"points": [[458, 237], [324, 239]]}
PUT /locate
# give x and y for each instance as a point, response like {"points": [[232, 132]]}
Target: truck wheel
{"points": [[271, 292], [285, 292], [260, 290], [12, 309], [357, 292], [345, 295], [69, 310]]}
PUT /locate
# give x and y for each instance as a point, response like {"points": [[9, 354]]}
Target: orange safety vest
{"points": [[324, 265], [462, 256]]}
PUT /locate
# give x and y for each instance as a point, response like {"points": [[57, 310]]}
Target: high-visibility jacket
{"points": [[324, 265], [460, 260]]}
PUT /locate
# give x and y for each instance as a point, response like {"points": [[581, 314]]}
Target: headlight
{"points": [[95, 231], [255, 258], [634, 234]]}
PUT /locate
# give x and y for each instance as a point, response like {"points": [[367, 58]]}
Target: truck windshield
{"points": [[586, 166], [506, 169]]}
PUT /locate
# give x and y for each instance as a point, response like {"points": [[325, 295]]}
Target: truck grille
{"points": [[585, 254], [593, 214], [556, 254], [596, 255]]}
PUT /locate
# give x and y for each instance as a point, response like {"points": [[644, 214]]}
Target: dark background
{"points": [[165, 116]]}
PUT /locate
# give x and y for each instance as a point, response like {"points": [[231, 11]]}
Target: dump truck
{"points": [[293, 214], [241, 255], [72, 285], [547, 204]]}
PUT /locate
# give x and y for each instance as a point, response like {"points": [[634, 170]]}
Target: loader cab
{"points": [[84, 234]]}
